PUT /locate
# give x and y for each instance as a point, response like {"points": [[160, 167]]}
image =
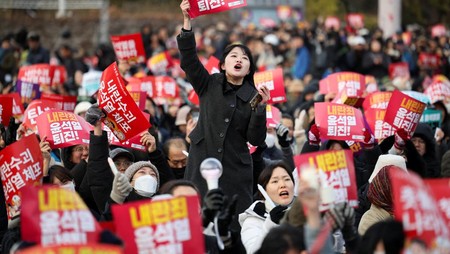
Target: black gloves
{"points": [[94, 114], [283, 135], [277, 213], [213, 203], [227, 215], [342, 217]]}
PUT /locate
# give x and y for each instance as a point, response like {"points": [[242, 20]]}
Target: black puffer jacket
{"points": [[433, 165]]}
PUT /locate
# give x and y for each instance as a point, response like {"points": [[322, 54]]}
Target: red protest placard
{"points": [[438, 30], [144, 84], [440, 188], [212, 66], [62, 102], [404, 112], [28, 91], [204, 7], [417, 209], [133, 143], [164, 226], [428, 60], [193, 98], [6, 109], [273, 116], [332, 22], [438, 91], [58, 74], [378, 100], [20, 165], [37, 73], [339, 122], [35, 109], [166, 90], [63, 129], [375, 120], [160, 63], [129, 47], [139, 98], [353, 83], [336, 169], [343, 98], [355, 20], [123, 116], [273, 79], [400, 69], [73, 249], [56, 216]]}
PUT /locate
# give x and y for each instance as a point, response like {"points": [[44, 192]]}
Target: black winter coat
{"points": [[225, 125]]}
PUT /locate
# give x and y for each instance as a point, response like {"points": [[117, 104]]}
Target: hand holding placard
{"points": [[121, 185]]}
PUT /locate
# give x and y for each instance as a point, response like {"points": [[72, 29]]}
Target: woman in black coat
{"points": [[227, 120]]}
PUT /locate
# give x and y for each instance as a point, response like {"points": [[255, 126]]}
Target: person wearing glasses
{"points": [[175, 150], [122, 158]]}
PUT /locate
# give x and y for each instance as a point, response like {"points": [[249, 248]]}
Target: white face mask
{"points": [[146, 185], [68, 186], [270, 140]]}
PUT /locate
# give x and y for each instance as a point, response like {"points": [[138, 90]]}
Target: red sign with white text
{"points": [[438, 91], [20, 165], [66, 103], [339, 122], [170, 225], [35, 109], [353, 83], [123, 116], [429, 61], [58, 74], [273, 79], [129, 47], [212, 66], [440, 188], [404, 112], [36, 73], [417, 209], [400, 69], [332, 22], [375, 120], [73, 249], [273, 116], [355, 20], [438, 30], [6, 109], [56, 216], [139, 98], [63, 129], [336, 169], [17, 103], [204, 7], [378, 100], [133, 143]]}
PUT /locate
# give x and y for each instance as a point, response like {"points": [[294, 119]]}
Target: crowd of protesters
{"points": [[281, 215]]}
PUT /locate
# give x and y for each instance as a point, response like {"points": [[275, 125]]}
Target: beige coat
{"points": [[373, 215]]}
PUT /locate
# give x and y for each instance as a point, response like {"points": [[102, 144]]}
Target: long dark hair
{"points": [[252, 68]]}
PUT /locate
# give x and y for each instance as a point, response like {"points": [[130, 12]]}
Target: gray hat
{"points": [[121, 152], [133, 168]]}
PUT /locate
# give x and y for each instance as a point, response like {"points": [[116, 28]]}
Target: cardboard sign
{"points": [[417, 209], [133, 143], [66, 103], [35, 109], [355, 20], [28, 91], [163, 226], [273, 79], [353, 83], [432, 117], [123, 116], [20, 165], [332, 22], [6, 109], [212, 66], [56, 216], [273, 116], [63, 129], [404, 112], [139, 98], [438, 91], [204, 7], [378, 100], [440, 188], [375, 120], [90, 83], [400, 69], [438, 30], [74, 249], [160, 63], [418, 96], [339, 122], [336, 169], [129, 47]]}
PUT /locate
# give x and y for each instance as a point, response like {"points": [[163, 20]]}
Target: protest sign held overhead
{"points": [[204, 7], [35, 109], [20, 165], [273, 80], [28, 91], [52, 215], [6, 109], [129, 47], [123, 116], [66, 103], [170, 225]]}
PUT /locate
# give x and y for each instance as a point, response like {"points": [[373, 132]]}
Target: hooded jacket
{"points": [[433, 167]]}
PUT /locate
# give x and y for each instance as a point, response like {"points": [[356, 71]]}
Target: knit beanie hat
{"points": [[385, 160], [133, 168]]}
